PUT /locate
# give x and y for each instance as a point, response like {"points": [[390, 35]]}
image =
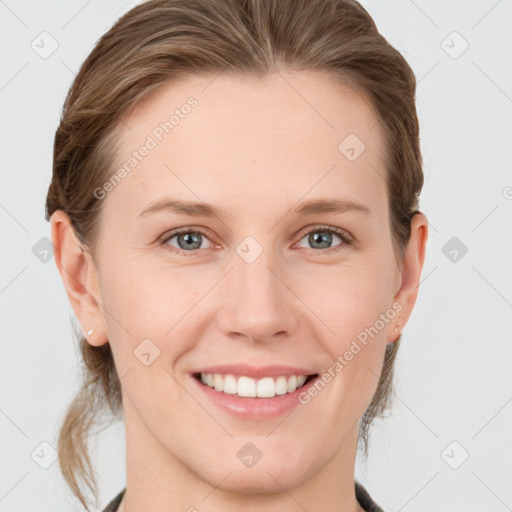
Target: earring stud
{"points": [[90, 332]]}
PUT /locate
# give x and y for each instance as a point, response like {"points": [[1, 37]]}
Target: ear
{"points": [[80, 277], [409, 276]]}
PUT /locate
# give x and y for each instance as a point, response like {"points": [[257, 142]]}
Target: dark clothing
{"points": [[114, 504], [362, 495], [365, 500]]}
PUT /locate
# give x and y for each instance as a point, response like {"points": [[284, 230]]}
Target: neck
{"points": [[160, 481]]}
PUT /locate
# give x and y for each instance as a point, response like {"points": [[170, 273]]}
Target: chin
{"points": [[269, 476]]}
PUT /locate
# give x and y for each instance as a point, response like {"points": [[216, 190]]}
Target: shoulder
{"points": [[365, 500], [114, 504]]}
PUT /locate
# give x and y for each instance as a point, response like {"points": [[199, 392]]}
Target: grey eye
{"points": [[187, 240], [322, 238]]}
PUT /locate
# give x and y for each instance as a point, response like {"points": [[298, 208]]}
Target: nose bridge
{"points": [[259, 305]]}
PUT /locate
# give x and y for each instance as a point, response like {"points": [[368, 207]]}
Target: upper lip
{"points": [[255, 372]]}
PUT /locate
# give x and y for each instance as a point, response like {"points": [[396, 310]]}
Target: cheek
{"points": [[144, 314], [144, 303], [354, 305], [351, 298]]}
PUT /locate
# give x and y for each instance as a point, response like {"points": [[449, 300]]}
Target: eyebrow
{"points": [[314, 206]]}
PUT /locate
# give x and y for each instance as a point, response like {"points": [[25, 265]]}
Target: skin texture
{"points": [[255, 149]]}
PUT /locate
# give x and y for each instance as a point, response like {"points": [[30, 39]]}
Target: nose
{"points": [[259, 305]]}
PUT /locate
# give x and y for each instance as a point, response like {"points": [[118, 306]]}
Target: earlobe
{"points": [[79, 277], [411, 268]]}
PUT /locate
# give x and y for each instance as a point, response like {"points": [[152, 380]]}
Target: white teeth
{"points": [[266, 387], [292, 383], [218, 382], [230, 386], [281, 386], [246, 386]]}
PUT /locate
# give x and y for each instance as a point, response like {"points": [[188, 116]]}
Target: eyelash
{"points": [[343, 235]]}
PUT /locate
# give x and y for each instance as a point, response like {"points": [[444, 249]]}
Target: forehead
{"points": [[269, 139]]}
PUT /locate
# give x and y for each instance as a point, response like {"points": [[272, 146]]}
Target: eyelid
{"points": [[345, 236]]}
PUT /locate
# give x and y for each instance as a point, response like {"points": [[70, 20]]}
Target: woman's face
{"points": [[257, 285]]}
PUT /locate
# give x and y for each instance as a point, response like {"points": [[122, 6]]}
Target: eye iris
{"points": [[189, 240], [325, 237]]}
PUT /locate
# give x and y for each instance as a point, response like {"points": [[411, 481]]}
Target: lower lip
{"points": [[254, 408]]}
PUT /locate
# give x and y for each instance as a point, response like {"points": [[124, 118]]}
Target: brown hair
{"points": [[160, 41]]}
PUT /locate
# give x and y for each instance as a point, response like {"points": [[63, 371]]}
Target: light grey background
{"points": [[453, 381]]}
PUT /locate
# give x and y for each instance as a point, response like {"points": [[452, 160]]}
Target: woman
{"points": [[234, 207]]}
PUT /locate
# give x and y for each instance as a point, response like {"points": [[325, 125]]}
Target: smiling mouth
{"points": [[243, 386]]}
